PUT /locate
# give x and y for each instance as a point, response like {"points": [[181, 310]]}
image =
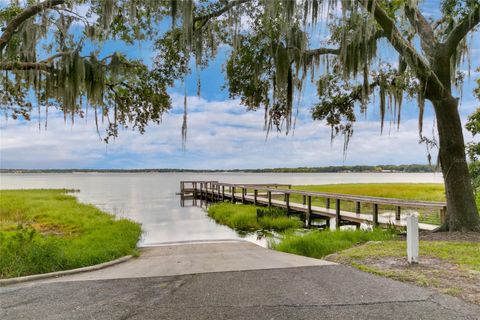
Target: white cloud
{"points": [[217, 138]]}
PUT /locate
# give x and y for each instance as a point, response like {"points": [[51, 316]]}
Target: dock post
{"points": [[182, 194], [201, 194], [287, 202], [443, 215], [357, 207], [304, 202], [223, 193], [243, 195], [269, 198], [206, 194], [337, 214], [255, 194], [233, 194], [398, 212], [327, 203], [309, 212], [375, 215]]}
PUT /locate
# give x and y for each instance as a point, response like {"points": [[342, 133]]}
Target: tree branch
{"points": [[75, 16], [16, 65], [423, 28], [439, 22], [414, 59], [321, 51], [204, 18], [460, 31], [55, 56], [25, 15]]}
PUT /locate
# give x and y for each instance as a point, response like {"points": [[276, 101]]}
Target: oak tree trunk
{"points": [[462, 213]]}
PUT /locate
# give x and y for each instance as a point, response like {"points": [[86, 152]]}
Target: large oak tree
{"points": [[271, 57]]}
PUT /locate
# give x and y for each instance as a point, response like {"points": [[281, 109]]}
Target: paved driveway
{"points": [[228, 280]]}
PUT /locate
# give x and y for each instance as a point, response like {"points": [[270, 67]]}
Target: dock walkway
{"points": [[271, 195]]}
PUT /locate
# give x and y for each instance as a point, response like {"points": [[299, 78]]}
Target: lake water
{"points": [[150, 198]]}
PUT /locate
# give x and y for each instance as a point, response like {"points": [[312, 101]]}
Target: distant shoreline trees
{"points": [[410, 168]]}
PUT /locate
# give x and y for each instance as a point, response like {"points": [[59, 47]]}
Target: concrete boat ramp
{"points": [[225, 280]]}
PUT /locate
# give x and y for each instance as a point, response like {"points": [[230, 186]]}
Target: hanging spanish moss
{"points": [[271, 56], [184, 123], [421, 110], [73, 80]]}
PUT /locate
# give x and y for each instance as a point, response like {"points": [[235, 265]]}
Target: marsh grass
{"points": [[244, 218], [49, 230], [318, 244]]}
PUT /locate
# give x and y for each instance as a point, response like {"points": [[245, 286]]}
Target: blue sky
{"points": [[221, 134]]}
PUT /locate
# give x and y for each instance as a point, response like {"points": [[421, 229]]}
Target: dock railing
{"points": [[262, 194]]}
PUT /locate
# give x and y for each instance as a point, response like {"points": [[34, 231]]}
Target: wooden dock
{"points": [[279, 195]]}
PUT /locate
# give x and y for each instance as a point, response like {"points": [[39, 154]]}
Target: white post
{"points": [[412, 239], [333, 224]]}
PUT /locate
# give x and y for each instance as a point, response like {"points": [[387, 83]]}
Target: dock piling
{"points": [[337, 214], [309, 212], [375, 215]]}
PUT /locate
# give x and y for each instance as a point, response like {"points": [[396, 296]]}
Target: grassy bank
{"points": [[409, 191], [48, 230], [445, 266], [244, 218], [318, 244]]}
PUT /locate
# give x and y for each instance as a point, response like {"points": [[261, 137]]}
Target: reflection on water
{"points": [[151, 199]]}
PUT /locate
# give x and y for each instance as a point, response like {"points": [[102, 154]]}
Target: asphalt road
{"points": [[325, 291], [318, 292]]}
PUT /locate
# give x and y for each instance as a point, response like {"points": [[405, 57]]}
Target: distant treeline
{"points": [[379, 168]]}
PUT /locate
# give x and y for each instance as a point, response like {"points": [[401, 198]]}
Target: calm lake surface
{"points": [[150, 198]]}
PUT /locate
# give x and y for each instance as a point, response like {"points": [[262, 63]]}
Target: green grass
{"points": [[465, 254], [408, 191], [446, 267], [49, 230], [318, 244], [244, 218]]}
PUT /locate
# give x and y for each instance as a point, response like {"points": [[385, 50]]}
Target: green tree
{"points": [[51, 57], [271, 57]]}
